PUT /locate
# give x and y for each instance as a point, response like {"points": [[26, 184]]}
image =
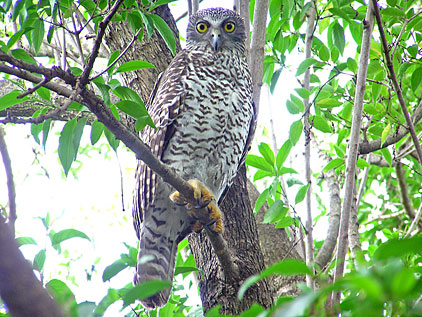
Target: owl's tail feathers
{"points": [[156, 261]]}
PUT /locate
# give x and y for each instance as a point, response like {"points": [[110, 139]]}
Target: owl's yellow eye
{"points": [[202, 27], [229, 27]]}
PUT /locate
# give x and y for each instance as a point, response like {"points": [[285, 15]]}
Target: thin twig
{"points": [[78, 40], [10, 183], [415, 222], [120, 56], [367, 147], [33, 89], [395, 82]]}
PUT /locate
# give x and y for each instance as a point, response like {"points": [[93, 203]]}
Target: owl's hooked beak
{"points": [[216, 39]]}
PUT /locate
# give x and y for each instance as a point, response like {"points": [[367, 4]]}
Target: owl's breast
{"points": [[213, 124]]}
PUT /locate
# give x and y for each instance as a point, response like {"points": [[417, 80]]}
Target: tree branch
{"points": [[395, 82], [10, 183], [326, 251], [407, 203], [353, 146], [257, 48], [21, 291], [368, 147], [307, 131]]}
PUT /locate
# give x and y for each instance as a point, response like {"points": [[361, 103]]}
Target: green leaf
{"points": [[114, 143], [23, 56], [305, 65], [148, 23], [284, 222], [25, 241], [132, 108], [259, 163], [86, 309], [351, 64], [134, 65], [63, 296], [283, 153], [275, 212], [185, 269], [44, 93], [416, 78], [77, 134], [324, 53], [142, 122], [385, 133], [328, 103], [97, 129], [361, 163], [387, 155], [285, 267], [261, 200], [15, 37], [11, 99], [111, 297], [302, 92], [403, 282], [113, 269], [395, 248], [338, 37], [298, 306], [125, 93], [67, 234], [37, 34], [301, 193], [393, 12], [39, 260], [292, 107], [321, 124], [295, 131], [144, 290], [267, 153], [333, 164], [66, 149], [17, 8], [165, 32]]}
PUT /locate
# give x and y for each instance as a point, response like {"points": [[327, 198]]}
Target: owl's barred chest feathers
{"points": [[209, 134]]}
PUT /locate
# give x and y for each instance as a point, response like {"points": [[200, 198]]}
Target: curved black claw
{"points": [[201, 206]]}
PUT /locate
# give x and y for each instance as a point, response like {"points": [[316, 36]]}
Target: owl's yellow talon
{"points": [[178, 199], [205, 199]]}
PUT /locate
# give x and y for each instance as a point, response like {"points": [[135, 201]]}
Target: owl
{"points": [[205, 118]]}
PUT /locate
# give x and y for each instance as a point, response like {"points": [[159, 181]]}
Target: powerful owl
{"points": [[205, 118]]}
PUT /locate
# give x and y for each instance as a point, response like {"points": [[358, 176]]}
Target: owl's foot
{"points": [[205, 201]]}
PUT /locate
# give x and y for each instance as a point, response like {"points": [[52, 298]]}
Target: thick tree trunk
{"points": [[241, 234]]}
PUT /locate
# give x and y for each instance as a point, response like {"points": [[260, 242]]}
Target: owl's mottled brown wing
{"points": [[163, 106]]}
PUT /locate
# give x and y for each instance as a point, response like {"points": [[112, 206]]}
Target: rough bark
{"points": [[240, 232]]}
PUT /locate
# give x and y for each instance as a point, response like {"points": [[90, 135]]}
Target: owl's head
{"points": [[218, 27]]}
